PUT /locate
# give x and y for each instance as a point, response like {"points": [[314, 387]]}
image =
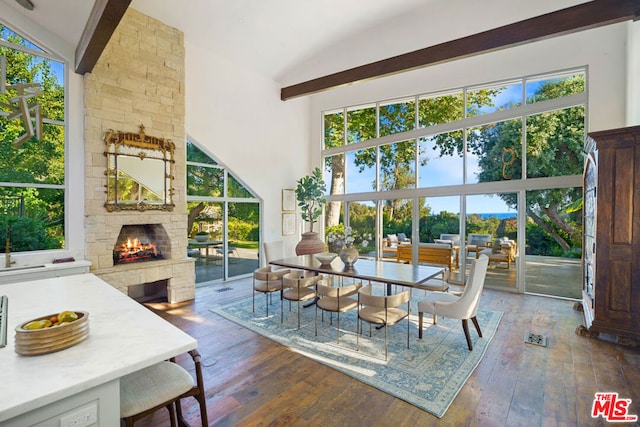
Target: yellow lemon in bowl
{"points": [[67, 316]]}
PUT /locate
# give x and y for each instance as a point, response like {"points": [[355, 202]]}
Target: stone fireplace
{"points": [[139, 79]]}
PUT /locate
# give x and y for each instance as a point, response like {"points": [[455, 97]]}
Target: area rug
{"points": [[428, 375]]}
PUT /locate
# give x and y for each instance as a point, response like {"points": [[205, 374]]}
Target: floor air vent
{"points": [[535, 339], [223, 289]]}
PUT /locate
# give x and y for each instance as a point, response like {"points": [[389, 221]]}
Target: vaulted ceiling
{"points": [[290, 41]]}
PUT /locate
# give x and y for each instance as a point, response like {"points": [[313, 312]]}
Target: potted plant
{"points": [[310, 196], [202, 236]]}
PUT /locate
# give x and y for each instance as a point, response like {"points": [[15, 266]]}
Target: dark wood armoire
{"points": [[611, 250]]}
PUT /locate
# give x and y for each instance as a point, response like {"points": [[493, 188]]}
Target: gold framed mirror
{"points": [[139, 171]]}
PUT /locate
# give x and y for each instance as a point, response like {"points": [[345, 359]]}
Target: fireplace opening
{"points": [[149, 292], [137, 243]]}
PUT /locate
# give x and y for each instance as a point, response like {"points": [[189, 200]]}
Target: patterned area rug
{"points": [[428, 375]]}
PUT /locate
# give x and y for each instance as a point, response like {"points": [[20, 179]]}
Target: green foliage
{"points": [[310, 195], [540, 243], [242, 230], [34, 161], [27, 234], [432, 226]]}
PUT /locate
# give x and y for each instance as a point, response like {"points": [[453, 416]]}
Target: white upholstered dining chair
{"points": [[464, 306]]}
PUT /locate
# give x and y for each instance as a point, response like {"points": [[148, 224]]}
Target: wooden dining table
{"points": [[391, 273]]}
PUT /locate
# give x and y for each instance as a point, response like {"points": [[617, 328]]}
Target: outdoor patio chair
{"points": [[501, 250], [453, 238], [463, 306], [477, 242]]}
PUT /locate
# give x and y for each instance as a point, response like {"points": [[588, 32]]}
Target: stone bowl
{"points": [[325, 257]]}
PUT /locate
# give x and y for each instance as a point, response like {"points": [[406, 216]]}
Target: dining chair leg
{"points": [[408, 316], [475, 323], [420, 317], [465, 326], [408, 330], [386, 331]]}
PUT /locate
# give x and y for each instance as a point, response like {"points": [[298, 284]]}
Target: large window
{"points": [[487, 148], [32, 145], [224, 210]]}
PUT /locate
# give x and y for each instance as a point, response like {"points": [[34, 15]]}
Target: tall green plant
{"points": [[310, 195]]}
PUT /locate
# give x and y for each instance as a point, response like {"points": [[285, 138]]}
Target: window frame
{"points": [[74, 237]]}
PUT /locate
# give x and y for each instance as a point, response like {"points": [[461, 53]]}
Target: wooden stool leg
{"points": [[172, 414]]}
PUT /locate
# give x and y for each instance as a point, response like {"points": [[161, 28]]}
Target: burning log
{"points": [[133, 250]]}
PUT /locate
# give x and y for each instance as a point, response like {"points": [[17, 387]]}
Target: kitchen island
{"points": [[57, 388]]}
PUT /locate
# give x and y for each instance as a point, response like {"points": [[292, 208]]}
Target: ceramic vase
{"points": [[349, 255], [336, 246], [310, 244]]}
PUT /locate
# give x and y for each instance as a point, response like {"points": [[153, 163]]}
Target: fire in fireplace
{"points": [[139, 243], [133, 250]]}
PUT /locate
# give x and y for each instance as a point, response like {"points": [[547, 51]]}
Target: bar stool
{"points": [[161, 385]]}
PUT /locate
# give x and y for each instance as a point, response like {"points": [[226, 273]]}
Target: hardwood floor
{"points": [[252, 381]]}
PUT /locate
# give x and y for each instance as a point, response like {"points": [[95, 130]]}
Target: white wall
{"points": [[433, 22], [603, 50], [237, 115]]}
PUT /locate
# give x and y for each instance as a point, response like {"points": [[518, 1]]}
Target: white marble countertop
{"points": [[21, 273], [124, 337]]}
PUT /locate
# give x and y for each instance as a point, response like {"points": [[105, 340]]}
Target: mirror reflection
{"points": [[139, 171]]}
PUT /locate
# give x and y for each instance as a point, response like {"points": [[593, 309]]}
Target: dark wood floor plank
{"points": [[251, 380]]}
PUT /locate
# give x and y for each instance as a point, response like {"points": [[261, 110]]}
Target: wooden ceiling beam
{"points": [[565, 21], [105, 17]]}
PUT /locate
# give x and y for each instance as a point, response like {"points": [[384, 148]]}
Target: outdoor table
{"points": [[206, 244]]}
